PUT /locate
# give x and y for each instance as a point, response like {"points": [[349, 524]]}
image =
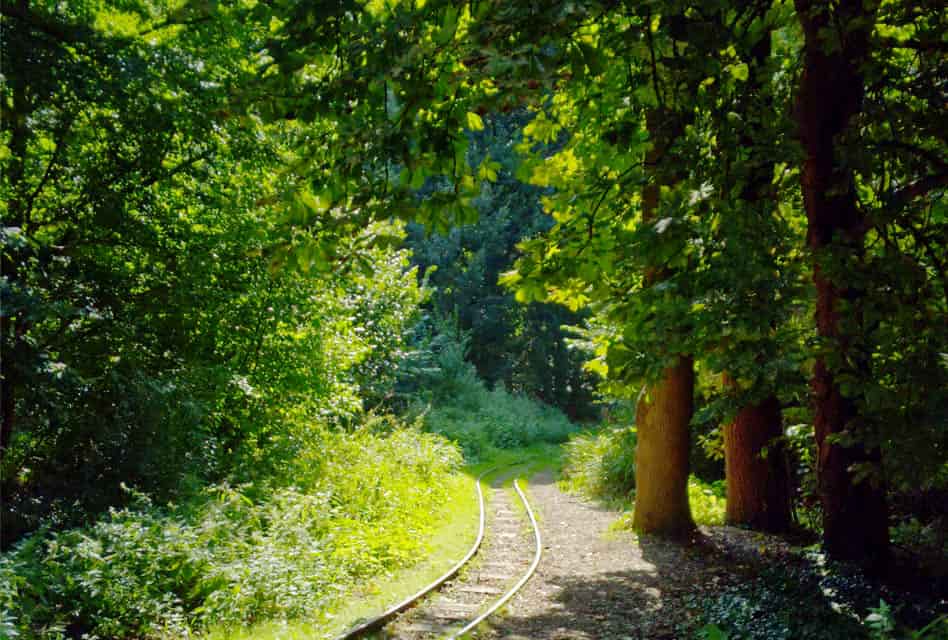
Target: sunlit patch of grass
{"points": [[448, 545], [530, 461], [452, 538], [707, 506]]}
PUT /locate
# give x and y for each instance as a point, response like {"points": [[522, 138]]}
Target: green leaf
{"points": [[449, 26], [739, 71], [593, 58], [474, 121]]}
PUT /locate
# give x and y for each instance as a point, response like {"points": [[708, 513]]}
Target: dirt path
{"points": [[594, 583]]}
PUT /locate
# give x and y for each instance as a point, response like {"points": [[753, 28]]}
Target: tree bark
{"points": [[661, 455], [756, 469], [664, 410], [855, 520]]}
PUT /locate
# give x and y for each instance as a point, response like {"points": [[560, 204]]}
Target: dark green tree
{"points": [[524, 347]]}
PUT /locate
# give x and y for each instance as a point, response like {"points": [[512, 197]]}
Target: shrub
{"points": [[242, 553], [708, 505], [601, 464]]}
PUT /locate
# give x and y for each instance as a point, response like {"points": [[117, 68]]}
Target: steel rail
{"points": [[384, 618], [523, 580]]}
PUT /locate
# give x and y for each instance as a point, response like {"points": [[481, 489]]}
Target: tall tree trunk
{"points": [[855, 521], [661, 456], [664, 410], [756, 469]]}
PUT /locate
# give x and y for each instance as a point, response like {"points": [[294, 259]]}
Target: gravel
{"points": [[594, 582]]}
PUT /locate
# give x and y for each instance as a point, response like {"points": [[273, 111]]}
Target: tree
{"points": [[621, 242], [593, 72], [687, 232], [150, 336], [523, 347], [831, 91], [109, 221], [864, 118], [664, 408], [751, 284]]}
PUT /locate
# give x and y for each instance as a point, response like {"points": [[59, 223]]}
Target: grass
{"points": [[522, 464], [600, 464], [450, 542]]}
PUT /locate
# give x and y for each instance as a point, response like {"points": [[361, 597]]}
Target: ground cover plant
{"points": [[806, 601], [241, 554]]}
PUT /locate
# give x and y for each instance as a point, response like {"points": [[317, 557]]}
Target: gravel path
{"points": [[593, 583]]}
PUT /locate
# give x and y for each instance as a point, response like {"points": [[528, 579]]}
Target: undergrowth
{"points": [[601, 465], [363, 504], [484, 421], [807, 601]]}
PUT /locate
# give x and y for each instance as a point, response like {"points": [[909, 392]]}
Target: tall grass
{"points": [[364, 505], [601, 464]]}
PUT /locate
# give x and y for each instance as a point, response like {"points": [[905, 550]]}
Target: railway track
{"points": [[502, 559]]}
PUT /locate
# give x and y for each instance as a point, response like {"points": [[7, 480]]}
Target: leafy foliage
{"points": [[456, 403], [359, 504], [522, 347]]}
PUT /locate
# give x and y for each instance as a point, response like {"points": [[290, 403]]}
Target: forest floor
{"points": [[598, 581]]}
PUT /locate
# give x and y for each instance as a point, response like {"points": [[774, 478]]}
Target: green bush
{"points": [[708, 504], [242, 554], [601, 464], [480, 420]]}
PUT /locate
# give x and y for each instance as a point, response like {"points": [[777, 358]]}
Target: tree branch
{"points": [[901, 197], [53, 161]]}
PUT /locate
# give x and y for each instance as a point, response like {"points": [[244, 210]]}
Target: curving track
{"points": [[503, 558]]}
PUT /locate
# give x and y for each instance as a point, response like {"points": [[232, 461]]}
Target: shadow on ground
{"points": [[662, 600], [651, 602]]}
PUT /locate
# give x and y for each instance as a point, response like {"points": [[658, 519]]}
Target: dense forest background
{"points": [[273, 273]]}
